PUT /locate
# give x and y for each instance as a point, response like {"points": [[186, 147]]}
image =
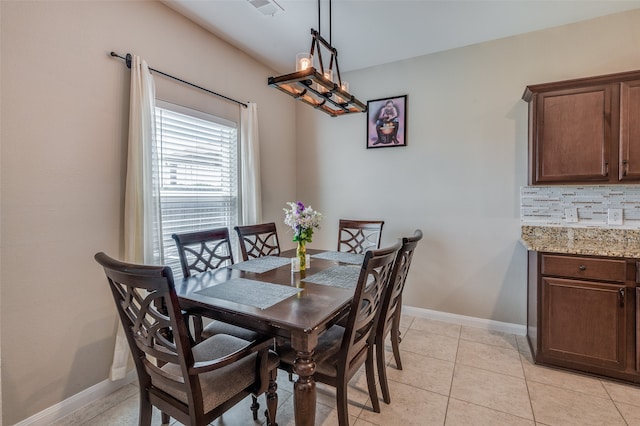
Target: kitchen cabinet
{"points": [[582, 313], [585, 131], [630, 131]]}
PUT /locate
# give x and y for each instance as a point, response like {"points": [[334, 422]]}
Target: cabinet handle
{"points": [[625, 167], [621, 297], [606, 168], [582, 268]]}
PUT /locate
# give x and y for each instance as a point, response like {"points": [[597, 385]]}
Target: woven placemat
{"points": [[250, 292], [342, 276], [261, 264], [338, 256]]}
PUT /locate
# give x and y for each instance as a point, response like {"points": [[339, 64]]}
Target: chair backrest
{"points": [[203, 250], [365, 306], [152, 320], [393, 296], [258, 240], [358, 236]]}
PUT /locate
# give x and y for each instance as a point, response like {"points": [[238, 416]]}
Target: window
{"points": [[198, 171]]}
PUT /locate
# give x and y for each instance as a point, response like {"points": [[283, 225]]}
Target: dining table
{"points": [[267, 296]]}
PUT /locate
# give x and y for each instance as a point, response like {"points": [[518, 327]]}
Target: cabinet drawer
{"points": [[584, 267]]}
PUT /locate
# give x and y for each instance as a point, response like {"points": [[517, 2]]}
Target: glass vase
{"points": [[301, 252]]}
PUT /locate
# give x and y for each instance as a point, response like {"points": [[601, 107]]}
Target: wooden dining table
{"points": [[280, 303]]}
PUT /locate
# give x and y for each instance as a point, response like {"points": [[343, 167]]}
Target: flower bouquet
{"points": [[302, 220]]}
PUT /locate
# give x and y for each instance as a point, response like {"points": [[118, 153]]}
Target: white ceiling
{"points": [[373, 32]]}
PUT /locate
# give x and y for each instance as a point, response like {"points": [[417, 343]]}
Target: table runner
{"points": [[250, 292], [343, 276], [261, 264], [353, 258]]}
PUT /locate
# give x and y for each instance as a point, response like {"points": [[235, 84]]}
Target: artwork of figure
{"points": [[386, 122]]}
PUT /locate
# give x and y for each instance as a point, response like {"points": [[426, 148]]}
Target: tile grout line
{"points": [[624, 419], [526, 383], [453, 374]]}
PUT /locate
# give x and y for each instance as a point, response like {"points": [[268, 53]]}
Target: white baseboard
{"points": [[77, 401], [504, 327]]}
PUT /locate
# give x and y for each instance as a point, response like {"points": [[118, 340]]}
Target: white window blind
{"points": [[198, 171]]}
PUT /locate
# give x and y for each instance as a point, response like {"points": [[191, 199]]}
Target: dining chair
{"points": [[391, 310], [202, 251], [258, 240], [342, 350], [194, 384], [357, 236]]}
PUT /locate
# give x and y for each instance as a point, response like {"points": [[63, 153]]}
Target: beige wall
{"points": [[459, 177], [63, 130]]}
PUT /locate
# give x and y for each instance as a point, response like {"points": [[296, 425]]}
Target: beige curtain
{"points": [[141, 205], [250, 165]]}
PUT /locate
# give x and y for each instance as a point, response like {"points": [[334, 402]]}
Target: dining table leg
{"points": [[304, 389]]}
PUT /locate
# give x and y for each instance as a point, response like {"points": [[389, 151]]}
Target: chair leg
{"points": [[272, 400], [198, 326], [341, 401], [166, 419], [371, 382], [255, 406], [382, 370], [146, 410], [396, 339]]}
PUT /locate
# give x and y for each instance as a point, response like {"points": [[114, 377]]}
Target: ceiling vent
{"points": [[266, 7]]}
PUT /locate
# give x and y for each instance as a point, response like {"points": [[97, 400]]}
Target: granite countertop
{"points": [[589, 241]]}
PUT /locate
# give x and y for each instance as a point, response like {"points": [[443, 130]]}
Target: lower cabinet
{"points": [[585, 313]]}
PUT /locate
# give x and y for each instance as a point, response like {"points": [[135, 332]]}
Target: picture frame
{"points": [[387, 122]]}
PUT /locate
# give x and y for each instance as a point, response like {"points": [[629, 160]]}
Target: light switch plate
{"points": [[571, 215], [615, 217]]}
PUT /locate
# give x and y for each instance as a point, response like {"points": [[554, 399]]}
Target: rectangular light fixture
{"points": [[316, 87]]}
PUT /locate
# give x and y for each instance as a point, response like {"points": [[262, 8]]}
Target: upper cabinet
{"points": [[585, 131]]}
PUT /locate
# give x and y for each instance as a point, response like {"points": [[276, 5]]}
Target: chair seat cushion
{"points": [[219, 327], [326, 353], [220, 385]]}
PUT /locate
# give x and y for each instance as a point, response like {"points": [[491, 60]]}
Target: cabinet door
{"points": [[630, 130], [573, 135], [583, 323]]}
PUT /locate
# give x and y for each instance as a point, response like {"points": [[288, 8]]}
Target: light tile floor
{"points": [[453, 375]]}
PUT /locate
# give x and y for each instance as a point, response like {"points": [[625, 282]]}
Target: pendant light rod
{"points": [[319, 20], [318, 89]]}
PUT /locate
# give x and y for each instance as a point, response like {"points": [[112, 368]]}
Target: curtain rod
{"points": [[127, 59]]}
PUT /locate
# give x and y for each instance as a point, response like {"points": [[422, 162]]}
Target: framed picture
{"points": [[387, 122]]}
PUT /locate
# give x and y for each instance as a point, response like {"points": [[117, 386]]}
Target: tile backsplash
{"points": [[555, 205]]}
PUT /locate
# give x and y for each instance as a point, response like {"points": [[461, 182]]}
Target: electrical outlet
{"points": [[615, 217], [571, 215]]}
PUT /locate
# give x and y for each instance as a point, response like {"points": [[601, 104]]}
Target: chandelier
{"points": [[315, 84]]}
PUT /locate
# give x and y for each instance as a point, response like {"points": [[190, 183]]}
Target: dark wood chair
{"points": [[358, 236], [342, 350], [258, 240], [202, 251], [389, 321], [193, 384]]}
